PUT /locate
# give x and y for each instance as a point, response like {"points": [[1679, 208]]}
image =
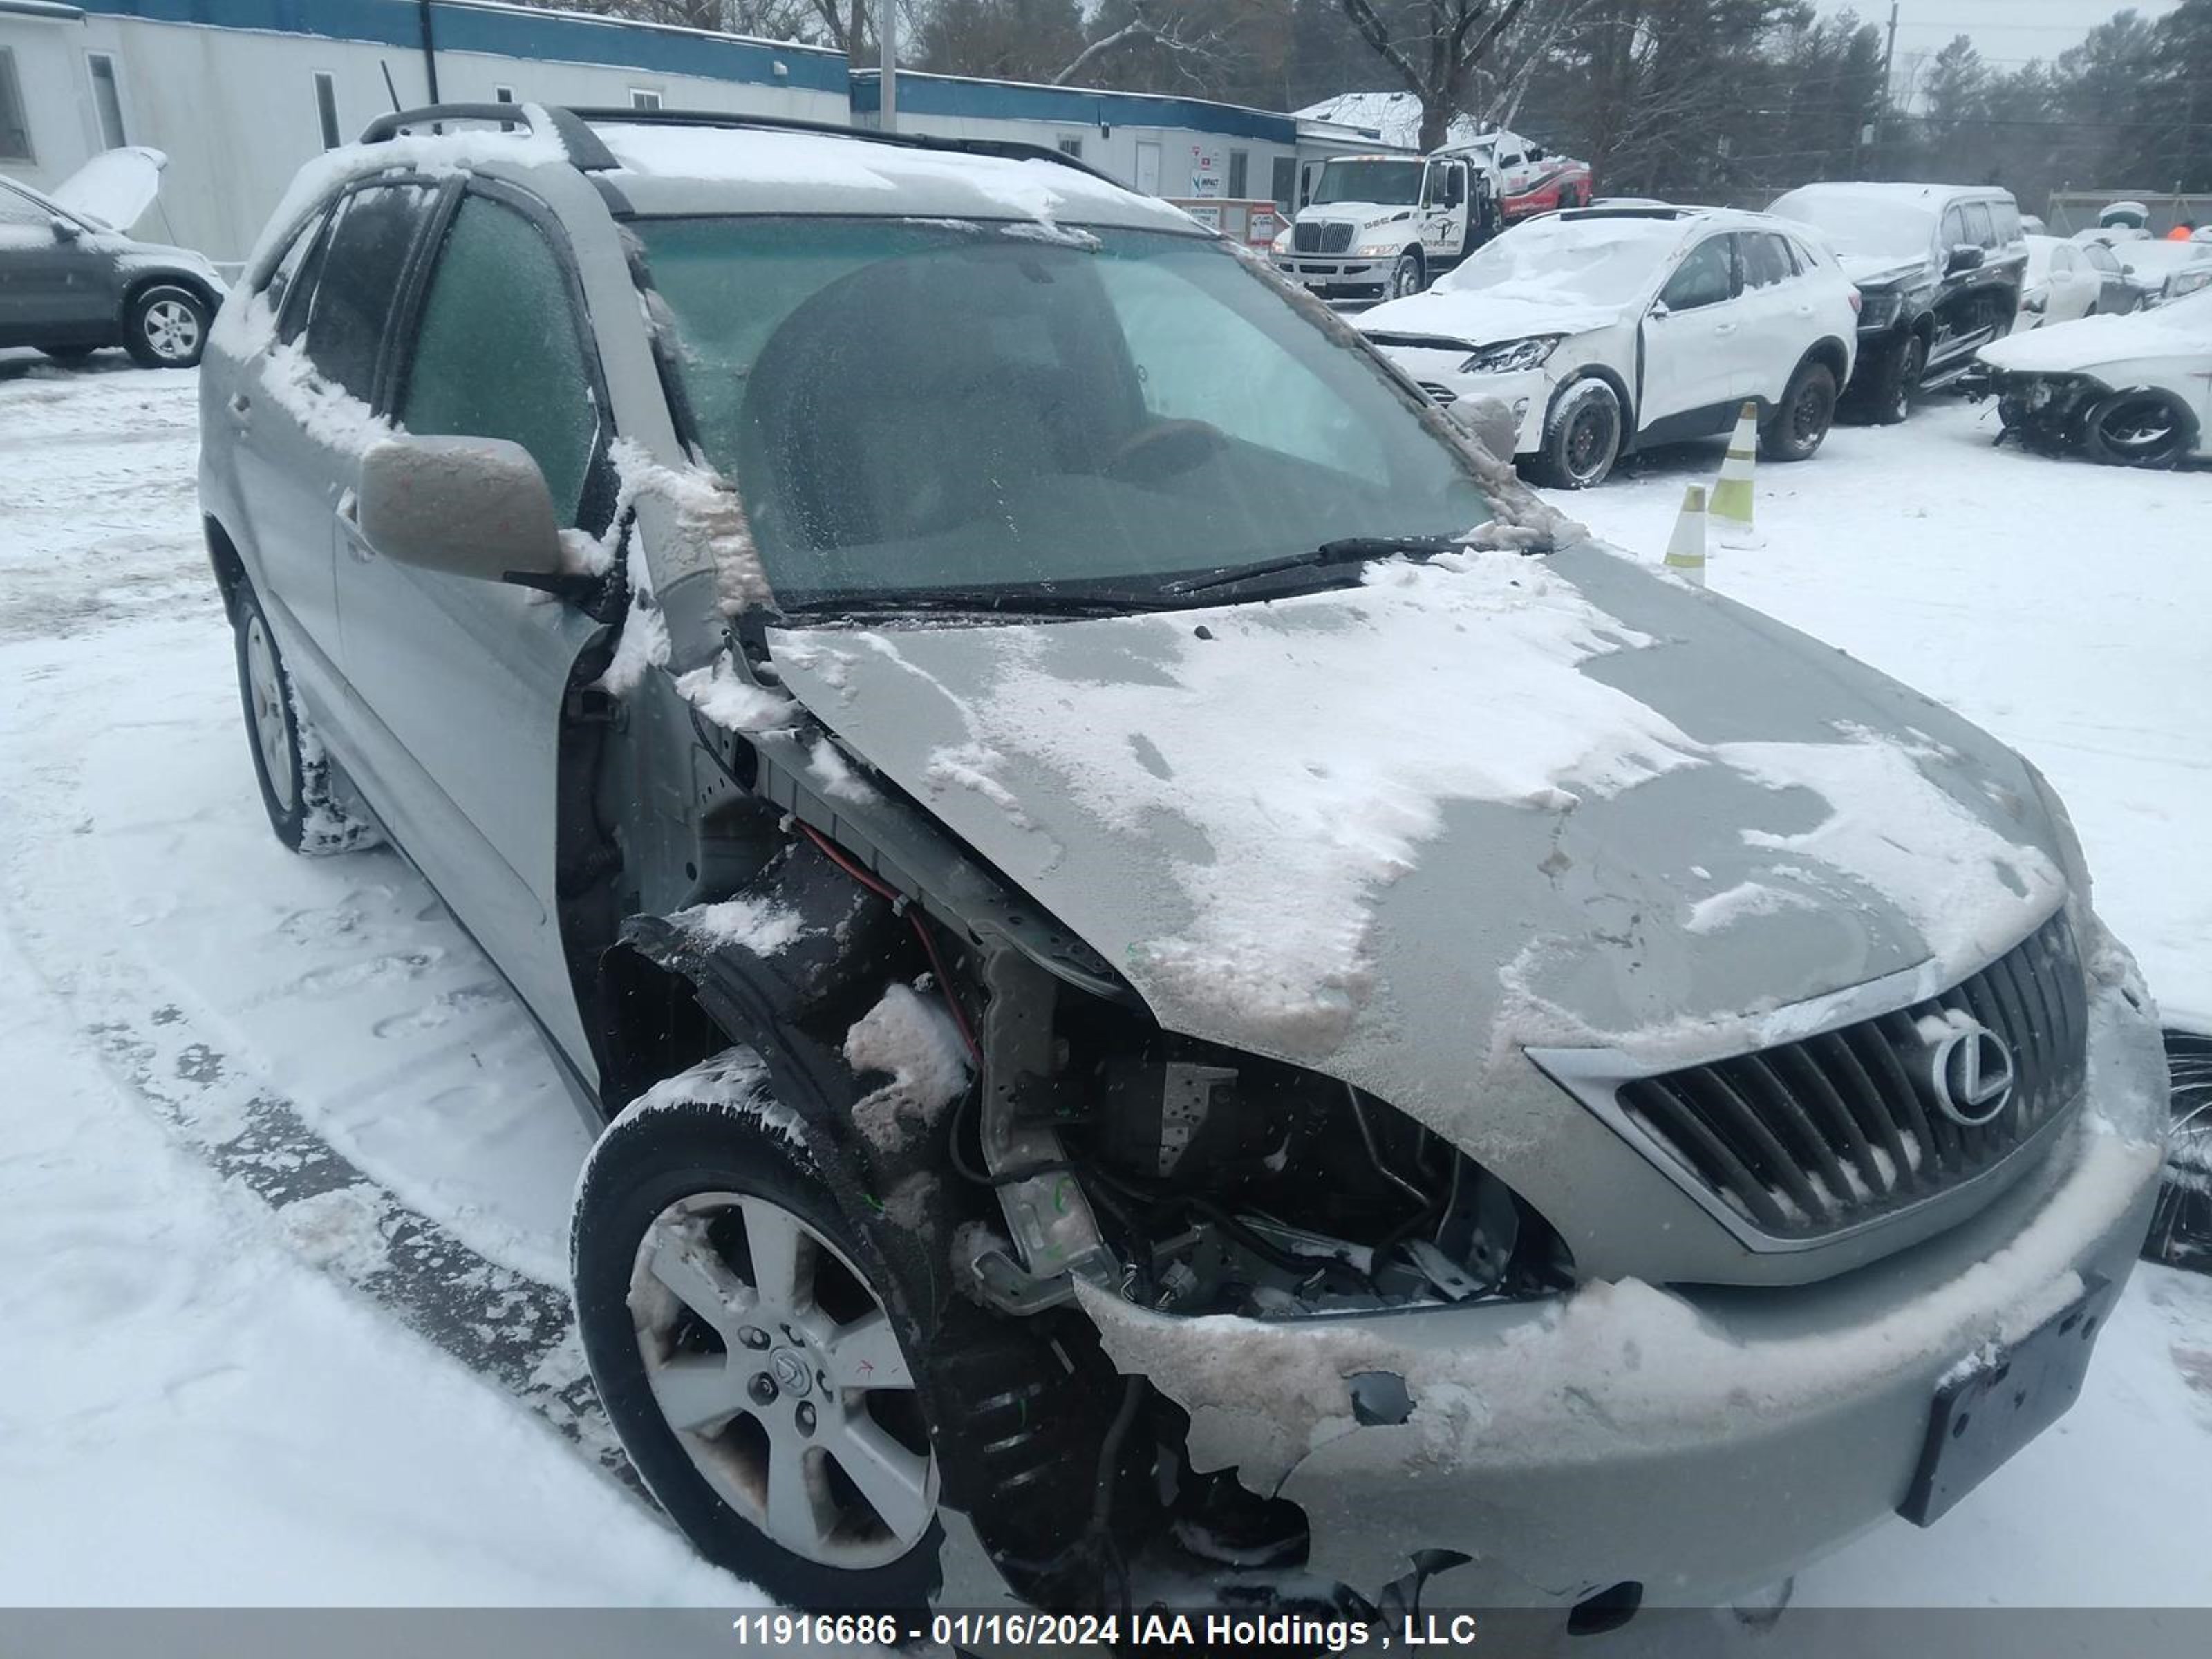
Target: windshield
{"points": [[912, 407], [1392, 184], [1602, 261], [1861, 227]]}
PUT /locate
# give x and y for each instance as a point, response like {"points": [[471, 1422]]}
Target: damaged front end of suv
{"points": [[1443, 1065]]}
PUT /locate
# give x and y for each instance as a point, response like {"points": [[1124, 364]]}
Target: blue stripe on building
{"points": [[548, 37], [1003, 101]]}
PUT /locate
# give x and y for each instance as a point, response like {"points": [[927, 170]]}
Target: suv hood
{"points": [[1484, 317], [1399, 832], [1880, 269], [114, 187], [1360, 215]]}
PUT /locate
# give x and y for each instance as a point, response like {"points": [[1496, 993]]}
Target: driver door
{"points": [[1691, 335], [464, 680]]}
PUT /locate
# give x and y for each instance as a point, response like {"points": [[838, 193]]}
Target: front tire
{"points": [[1897, 384], [307, 809], [1407, 277], [166, 327], [1582, 436], [752, 1348], [1800, 423], [2147, 428]]}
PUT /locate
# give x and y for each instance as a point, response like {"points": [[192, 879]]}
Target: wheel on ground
{"points": [[299, 788], [1581, 438], [166, 327], [2181, 1221], [69, 354], [1801, 421], [743, 1334], [2146, 428], [1897, 380], [1405, 277]]}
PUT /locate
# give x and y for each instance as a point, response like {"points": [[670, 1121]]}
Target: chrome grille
{"points": [[1320, 237], [1807, 1138]]}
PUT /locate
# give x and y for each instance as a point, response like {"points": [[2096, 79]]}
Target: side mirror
{"points": [[1964, 257], [65, 230], [1661, 309], [468, 506]]}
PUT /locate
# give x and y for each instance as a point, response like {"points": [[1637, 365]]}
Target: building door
{"points": [[1148, 168]]}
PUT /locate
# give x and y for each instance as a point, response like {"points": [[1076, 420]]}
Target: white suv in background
{"points": [[1608, 330]]}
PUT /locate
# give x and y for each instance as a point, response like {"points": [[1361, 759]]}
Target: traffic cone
{"points": [[1731, 507], [1685, 552]]}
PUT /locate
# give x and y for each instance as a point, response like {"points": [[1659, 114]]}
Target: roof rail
{"points": [[583, 145], [1006, 148]]}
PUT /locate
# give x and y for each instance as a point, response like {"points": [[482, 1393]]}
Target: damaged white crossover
{"points": [[1194, 998]]}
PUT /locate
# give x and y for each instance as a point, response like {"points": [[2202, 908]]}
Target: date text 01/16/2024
{"points": [[1210, 1632]]}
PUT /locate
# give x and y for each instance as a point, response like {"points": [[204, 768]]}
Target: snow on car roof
{"points": [[666, 167]]}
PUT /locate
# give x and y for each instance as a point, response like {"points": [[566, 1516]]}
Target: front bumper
{"points": [[1701, 1444], [2045, 412], [1337, 276]]}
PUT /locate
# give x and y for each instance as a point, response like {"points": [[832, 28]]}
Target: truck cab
{"points": [[1382, 227]]}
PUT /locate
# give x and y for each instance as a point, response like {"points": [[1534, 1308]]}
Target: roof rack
{"points": [[1006, 148], [590, 154], [582, 144]]}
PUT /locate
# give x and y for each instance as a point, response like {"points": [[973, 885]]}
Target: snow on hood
{"points": [[114, 187], [1314, 829], [2182, 329], [1485, 317]]}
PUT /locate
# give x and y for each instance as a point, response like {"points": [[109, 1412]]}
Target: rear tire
{"points": [[307, 808], [1581, 436], [671, 1254], [166, 327], [1800, 423], [2147, 428]]}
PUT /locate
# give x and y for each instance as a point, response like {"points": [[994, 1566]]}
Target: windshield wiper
{"points": [[983, 601], [1346, 549]]}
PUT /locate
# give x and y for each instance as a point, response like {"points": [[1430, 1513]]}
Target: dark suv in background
{"points": [[1939, 267]]}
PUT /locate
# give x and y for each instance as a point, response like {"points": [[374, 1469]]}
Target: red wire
{"points": [[830, 851]]}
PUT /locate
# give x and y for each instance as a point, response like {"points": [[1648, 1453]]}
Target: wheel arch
{"points": [[1829, 352], [230, 574], [136, 288], [1613, 378]]}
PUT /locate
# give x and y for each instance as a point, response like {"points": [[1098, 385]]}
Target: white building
{"points": [[239, 92]]}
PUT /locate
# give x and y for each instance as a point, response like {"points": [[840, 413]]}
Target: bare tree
{"points": [[1437, 61], [1175, 39]]}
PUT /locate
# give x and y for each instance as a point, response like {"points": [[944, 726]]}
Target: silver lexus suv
{"points": [[1185, 986]]}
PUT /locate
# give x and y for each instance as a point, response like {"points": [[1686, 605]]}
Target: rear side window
{"points": [[1765, 259], [1706, 277], [360, 263], [2006, 216], [496, 353]]}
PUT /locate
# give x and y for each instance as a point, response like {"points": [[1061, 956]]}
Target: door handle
{"points": [[1724, 328]]}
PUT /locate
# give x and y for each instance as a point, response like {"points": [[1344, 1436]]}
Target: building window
{"points": [[502, 94], [15, 124], [107, 99], [326, 108], [644, 98], [1240, 171], [1072, 144]]}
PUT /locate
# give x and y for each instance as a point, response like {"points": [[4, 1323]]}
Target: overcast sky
{"points": [[2005, 31]]}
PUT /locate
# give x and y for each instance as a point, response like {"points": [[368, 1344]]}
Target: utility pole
{"points": [[887, 37], [1868, 128]]}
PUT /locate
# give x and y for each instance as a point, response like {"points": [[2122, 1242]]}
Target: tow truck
{"points": [[1381, 227]]}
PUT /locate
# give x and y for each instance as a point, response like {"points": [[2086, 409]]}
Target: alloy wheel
{"points": [[266, 687], [172, 329], [775, 1364]]}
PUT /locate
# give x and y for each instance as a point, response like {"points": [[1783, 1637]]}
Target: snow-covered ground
{"points": [[284, 1174]]}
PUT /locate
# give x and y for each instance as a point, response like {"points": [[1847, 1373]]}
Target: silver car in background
{"points": [[1182, 984]]}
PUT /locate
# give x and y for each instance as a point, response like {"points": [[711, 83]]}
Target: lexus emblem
{"points": [[1969, 1072]]}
